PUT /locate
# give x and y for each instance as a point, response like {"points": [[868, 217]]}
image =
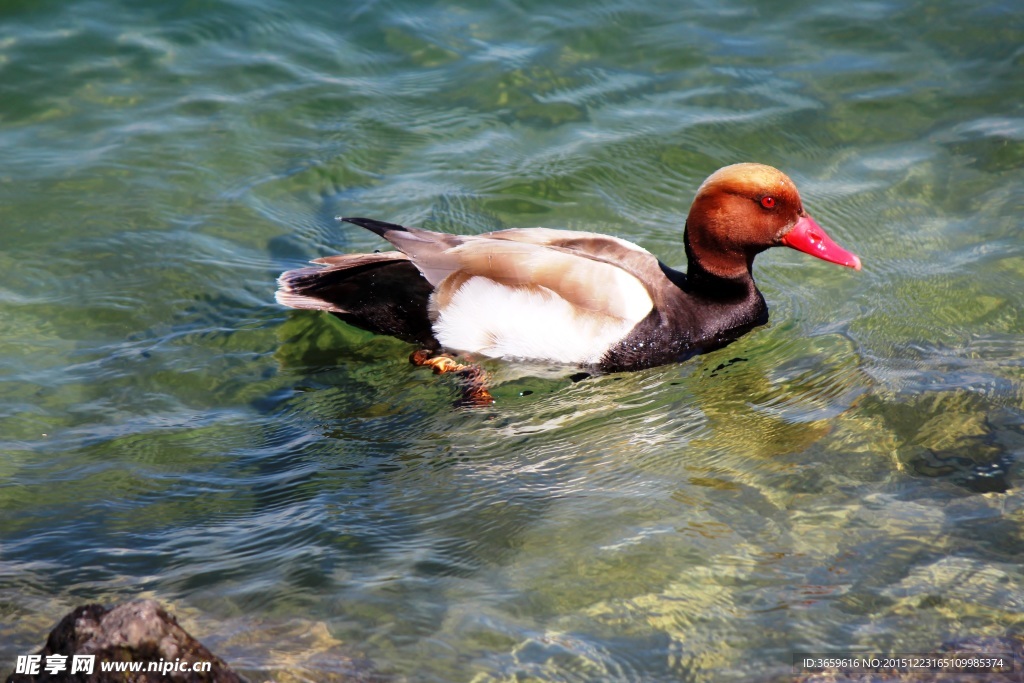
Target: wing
{"points": [[597, 273]]}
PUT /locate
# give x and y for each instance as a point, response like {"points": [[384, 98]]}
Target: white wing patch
{"points": [[517, 321]]}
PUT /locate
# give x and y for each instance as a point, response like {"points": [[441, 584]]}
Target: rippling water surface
{"points": [[310, 504]]}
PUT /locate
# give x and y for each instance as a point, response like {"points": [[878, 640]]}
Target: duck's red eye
{"points": [[768, 201]]}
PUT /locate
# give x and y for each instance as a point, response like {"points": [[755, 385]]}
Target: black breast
{"points": [[690, 316]]}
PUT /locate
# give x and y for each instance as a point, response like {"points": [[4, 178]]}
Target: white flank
{"points": [[533, 322]]}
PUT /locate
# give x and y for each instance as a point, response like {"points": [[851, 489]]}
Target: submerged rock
{"points": [[139, 633]]}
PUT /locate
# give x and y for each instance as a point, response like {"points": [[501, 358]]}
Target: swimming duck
{"points": [[569, 297]]}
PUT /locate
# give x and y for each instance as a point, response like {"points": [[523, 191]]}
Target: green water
{"points": [[309, 503]]}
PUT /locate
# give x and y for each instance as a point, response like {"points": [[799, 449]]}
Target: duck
{"points": [[569, 297]]}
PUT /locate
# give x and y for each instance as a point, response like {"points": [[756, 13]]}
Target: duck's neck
{"points": [[731, 305], [718, 279]]}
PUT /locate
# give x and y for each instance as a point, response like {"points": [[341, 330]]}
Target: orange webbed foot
{"points": [[474, 379]]}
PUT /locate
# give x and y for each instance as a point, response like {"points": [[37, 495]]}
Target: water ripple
{"points": [[169, 431]]}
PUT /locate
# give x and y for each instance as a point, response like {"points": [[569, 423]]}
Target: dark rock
{"points": [[139, 632]]}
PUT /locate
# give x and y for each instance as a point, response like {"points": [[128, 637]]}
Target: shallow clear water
{"points": [[309, 503]]}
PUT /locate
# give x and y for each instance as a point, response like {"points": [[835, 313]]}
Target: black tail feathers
{"points": [[375, 226]]}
